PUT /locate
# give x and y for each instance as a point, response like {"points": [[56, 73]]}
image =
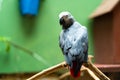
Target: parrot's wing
{"points": [[64, 43], [84, 41], [80, 44]]}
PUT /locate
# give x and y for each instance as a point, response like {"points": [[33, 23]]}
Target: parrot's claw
{"points": [[86, 64]]}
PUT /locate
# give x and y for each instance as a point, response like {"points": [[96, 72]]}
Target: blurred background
{"points": [[29, 44]]}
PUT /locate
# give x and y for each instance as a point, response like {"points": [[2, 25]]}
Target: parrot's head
{"points": [[66, 19]]}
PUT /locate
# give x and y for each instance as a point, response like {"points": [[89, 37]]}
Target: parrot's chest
{"points": [[69, 37]]}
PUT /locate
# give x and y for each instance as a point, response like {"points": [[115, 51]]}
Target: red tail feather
{"points": [[73, 75], [73, 71]]}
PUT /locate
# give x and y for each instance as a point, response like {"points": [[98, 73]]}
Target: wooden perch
{"points": [[92, 74], [97, 71], [83, 69], [91, 69], [48, 71], [64, 75]]}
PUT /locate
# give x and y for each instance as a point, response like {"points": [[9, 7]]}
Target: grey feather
{"points": [[74, 43]]}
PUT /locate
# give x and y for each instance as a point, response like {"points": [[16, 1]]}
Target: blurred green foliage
{"points": [[38, 34]]}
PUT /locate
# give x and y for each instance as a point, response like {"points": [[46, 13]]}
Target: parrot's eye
{"points": [[61, 21]]}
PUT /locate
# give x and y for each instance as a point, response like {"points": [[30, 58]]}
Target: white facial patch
{"points": [[64, 14]]}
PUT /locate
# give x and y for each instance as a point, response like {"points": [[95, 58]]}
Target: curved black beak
{"points": [[61, 21]]}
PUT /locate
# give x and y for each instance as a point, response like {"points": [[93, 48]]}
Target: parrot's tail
{"points": [[75, 70]]}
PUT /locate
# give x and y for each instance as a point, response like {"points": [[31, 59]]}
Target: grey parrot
{"points": [[73, 41]]}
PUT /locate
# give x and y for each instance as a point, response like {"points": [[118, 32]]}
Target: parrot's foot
{"points": [[86, 64]]}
